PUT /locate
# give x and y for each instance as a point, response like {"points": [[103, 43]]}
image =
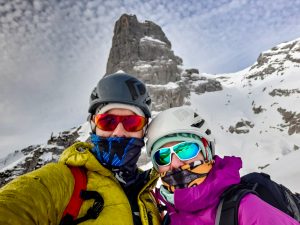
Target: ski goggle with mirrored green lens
{"points": [[183, 150]]}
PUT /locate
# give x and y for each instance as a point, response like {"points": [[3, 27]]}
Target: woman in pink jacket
{"points": [[194, 178]]}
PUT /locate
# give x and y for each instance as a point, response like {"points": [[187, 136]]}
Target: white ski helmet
{"points": [[178, 120]]}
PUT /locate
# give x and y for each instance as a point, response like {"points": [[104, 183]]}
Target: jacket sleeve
{"points": [[39, 197], [254, 211]]}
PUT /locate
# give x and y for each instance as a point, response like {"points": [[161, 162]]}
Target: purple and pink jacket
{"points": [[198, 205]]}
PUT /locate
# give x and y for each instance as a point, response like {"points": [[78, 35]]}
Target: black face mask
{"points": [[118, 154], [186, 176]]}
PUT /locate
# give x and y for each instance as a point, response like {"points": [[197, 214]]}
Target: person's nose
{"points": [[119, 131], [176, 162]]}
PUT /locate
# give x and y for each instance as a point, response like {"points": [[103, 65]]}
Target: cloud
{"points": [[52, 53], [228, 33]]}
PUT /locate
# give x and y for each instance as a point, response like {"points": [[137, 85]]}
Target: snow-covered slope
{"points": [[257, 114]]}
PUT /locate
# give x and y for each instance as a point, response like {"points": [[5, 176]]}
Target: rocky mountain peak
{"points": [[128, 27], [142, 48], [275, 60]]}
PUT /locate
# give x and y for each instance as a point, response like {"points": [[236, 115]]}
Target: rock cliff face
{"points": [[278, 63], [34, 156], [142, 49], [275, 60]]}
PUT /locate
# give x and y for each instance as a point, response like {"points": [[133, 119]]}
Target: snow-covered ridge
{"points": [[256, 115], [276, 60], [34, 157]]}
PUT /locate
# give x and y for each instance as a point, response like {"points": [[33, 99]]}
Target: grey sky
{"points": [[52, 53]]}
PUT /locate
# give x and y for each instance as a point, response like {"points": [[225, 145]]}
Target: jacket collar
{"points": [[224, 173], [79, 154]]}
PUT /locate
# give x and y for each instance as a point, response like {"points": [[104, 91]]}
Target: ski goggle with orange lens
{"points": [[109, 122], [184, 151]]}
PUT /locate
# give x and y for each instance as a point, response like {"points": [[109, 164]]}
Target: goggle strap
{"points": [[205, 144]]}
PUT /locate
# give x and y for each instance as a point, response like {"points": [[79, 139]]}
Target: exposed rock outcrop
{"points": [[284, 92], [142, 49], [241, 127], [291, 119], [167, 96], [33, 157], [274, 61], [199, 83]]}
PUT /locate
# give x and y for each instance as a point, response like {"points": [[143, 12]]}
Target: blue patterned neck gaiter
{"points": [[118, 154]]}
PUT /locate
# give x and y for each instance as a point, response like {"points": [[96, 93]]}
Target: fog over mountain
{"points": [[253, 113]]}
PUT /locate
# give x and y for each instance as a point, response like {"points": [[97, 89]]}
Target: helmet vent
{"points": [[148, 100], [130, 84], [141, 89], [208, 132], [94, 94], [199, 124]]}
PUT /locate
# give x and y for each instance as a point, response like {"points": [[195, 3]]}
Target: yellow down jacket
{"points": [[40, 197]]}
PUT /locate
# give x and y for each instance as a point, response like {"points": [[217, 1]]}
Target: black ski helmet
{"points": [[121, 88]]}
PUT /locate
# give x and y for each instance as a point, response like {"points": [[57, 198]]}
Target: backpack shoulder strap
{"points": [[274, 194], [80, 183], [227, 212]]}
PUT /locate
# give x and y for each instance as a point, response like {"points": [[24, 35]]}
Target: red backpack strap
{"points": [[80, 183]]}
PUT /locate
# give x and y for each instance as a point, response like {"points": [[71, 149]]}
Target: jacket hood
{"points": [[224, 173], [79, 154]]}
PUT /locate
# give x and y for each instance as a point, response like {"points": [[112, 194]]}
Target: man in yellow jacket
{"points": [[119, 112]]}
